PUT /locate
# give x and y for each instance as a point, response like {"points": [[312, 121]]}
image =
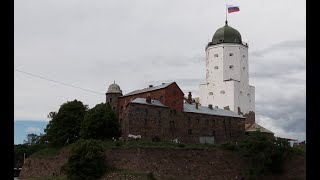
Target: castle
{"points": [[225, 110]]}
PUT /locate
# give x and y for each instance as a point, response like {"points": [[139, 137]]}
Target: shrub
{"points": [[181, 145], [155, 139], [87, 161], [229, 146]]}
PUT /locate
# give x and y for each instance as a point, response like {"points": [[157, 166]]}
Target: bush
{"points": [[181, 145], [265, 154], [87, 161], [155, 139], [229, 146]]}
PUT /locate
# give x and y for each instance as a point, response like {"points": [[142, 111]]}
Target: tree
{"points": [[266, 154], [87, 161], [32, 139], [64, 127], [100, 122], [52, 114]]}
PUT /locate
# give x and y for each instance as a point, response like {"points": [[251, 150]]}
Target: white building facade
{"points": [[227, 74]]}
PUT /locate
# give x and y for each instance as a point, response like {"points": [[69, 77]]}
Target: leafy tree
{"points": [[32, 139], [31, 145], [52, 114], [87, 161], [100, 122], [64, 127], [266, 154]]}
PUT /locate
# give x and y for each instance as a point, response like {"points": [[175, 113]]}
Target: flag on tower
{"points": [[232, 8]]}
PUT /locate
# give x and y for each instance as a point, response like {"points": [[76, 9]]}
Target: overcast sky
{"points": [[91, 43]]}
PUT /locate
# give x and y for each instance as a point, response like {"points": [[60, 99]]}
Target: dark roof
{"points": [[255, 127], [206, 110], [226, 34], [143, 101], [139, 91]]}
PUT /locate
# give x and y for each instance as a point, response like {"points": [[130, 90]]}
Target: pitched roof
{"points": [[163, 85], [205, 110], [143, 101], [255, 127]]}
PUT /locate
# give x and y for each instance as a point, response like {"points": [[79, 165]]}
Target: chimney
{"points": [[197, 105], [150, 86], [189, 98], [226, 108], [210, 106], [148, 99]]}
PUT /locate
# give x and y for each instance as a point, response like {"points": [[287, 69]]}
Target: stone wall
{"points": [[169, 163], [154, 121]]}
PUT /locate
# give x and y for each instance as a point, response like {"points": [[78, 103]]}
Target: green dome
{"points": [[226, 34]]}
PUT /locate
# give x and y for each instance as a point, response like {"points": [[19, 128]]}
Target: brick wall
{"points": [[170, 96], [167, 124]]}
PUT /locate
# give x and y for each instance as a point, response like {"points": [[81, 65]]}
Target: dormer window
{"points": [[231, 66], [222, 92], [230, 54], [216, 67], [216, 55]]}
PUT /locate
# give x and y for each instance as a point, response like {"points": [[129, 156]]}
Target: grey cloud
{"points": [[284, 45]]}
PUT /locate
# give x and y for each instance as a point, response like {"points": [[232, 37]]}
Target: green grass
{"points": [[156, 145], [130, 174], [47, 152], [49, 178]]}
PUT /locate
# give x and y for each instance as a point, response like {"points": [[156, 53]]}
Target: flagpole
{"points": [[226, 12]]}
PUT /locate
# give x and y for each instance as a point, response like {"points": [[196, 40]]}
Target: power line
{"points": [[58, 82]]}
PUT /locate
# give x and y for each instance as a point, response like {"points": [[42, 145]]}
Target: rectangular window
{"points": [[189, 131]]}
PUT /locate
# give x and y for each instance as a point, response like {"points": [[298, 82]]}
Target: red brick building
{"points": [[169, 94], [164, 113]]}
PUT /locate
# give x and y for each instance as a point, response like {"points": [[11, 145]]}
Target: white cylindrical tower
{"points": [[227, 73]]}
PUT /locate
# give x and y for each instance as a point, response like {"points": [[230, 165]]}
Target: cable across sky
{"points": [[58, 82]]}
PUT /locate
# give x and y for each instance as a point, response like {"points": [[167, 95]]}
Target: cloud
{"points": [[281, 46], [279, 75], [32, 130]]}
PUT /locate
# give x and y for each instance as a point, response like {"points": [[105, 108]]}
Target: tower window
{"points": [[216, 55], [231, 66], [248, 94], [222, 92], [244, 68], [230, 54], [240, 92], [243, 55], [216, 67]]}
